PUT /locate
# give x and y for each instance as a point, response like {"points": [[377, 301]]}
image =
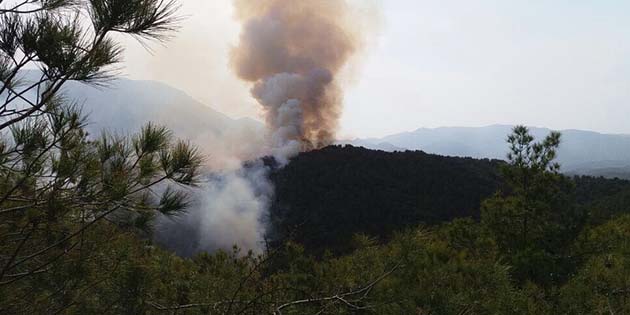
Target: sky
{"points": [[562, 64]]}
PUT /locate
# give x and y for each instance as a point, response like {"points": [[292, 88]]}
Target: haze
{"points": [[561, 65]]}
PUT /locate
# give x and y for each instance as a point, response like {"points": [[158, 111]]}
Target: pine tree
{"points": [[534, 219], [65, 194]]}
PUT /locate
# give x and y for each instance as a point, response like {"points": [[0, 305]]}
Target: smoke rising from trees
{"points": [[292, 53]]}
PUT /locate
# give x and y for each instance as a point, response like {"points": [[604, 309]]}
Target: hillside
{"points": [[324, 197], [608, 169]]}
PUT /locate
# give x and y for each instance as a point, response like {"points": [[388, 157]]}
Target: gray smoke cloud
{"points": [[292, 53], [229, 209]]}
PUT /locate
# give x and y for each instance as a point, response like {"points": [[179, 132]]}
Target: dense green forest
{"points": [[324, 197], [353, 231], [570, 262]]}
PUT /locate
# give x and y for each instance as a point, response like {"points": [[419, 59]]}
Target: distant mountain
{"points": [[581, 152], [609, 169], [125, 105], [373, 144]]}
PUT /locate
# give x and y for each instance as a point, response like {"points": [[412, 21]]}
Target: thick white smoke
{"points": [[228, 209], [236, 202]]}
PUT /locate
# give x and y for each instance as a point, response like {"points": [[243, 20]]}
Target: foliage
{"points": [[535, 218], [602, 285], [415, 273], [68, 200], [324, 197], [57, 185], [610, 206]]}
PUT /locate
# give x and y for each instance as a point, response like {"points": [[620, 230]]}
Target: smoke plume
{"points": [[292, 52]]}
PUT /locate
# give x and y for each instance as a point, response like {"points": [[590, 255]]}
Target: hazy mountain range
{"points": [[581, 152], [124, 106], [127, 104]]}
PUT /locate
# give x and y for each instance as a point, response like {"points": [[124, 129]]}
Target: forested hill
{"points": [[323, 197], [326, 196]]}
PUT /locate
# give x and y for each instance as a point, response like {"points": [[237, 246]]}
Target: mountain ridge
{"points": [[578, 148], [125, 105]]}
